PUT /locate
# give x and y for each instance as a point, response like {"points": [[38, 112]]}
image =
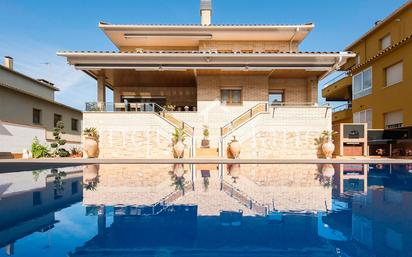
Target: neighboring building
{"points": [[376, 85], [248, 81], [29, 110]]}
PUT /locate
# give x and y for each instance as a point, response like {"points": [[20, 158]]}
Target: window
{"points": [[276, 97], [231, 96], [75, 125], [363, 117], [393, 119], [394, 74], [75, 187], [386, 41], [36, 198], [36, 116], [362, 83], [57, 118]]}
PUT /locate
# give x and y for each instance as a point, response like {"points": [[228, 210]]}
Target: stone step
{"points": [[207, 152]]}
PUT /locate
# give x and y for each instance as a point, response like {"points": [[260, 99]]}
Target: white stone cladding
{"points": [[283, 132]]}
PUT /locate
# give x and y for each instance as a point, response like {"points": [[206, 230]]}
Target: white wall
{"points": [[14, 138]]}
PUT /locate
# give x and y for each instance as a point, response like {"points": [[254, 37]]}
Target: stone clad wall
{"points": [[284, 132], [131, 135]]}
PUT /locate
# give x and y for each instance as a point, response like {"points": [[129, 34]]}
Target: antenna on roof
{"points": [[205, 12]]}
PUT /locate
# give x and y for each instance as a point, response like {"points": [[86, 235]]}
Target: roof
{"points": [[385, 51], [180, 60], [39, 97], [40, 82], [103, 24], [381, 23], [184, 35], [64, 53]]}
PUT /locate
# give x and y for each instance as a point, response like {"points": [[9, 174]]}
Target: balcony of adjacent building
{"points": [[338, 89], [342, 113]]}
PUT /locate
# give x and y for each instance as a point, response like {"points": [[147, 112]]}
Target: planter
{"points": [[234, 148], [90, 172], [178, 149], [179, 170], [328, 170], [328, 148], [90, 147], [205, 143], [233, 170]]}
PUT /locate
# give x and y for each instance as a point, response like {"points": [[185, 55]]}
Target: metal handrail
{"points": [[251, 115], [140, 107], [335, 79], [347, 106]]}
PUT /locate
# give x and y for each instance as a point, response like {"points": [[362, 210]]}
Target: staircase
{"points": [[244, 118]]}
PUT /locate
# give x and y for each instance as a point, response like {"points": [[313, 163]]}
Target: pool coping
{"points": [[81, 161]]}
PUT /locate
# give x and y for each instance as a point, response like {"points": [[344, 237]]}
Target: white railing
{"points": [[342, 107]]}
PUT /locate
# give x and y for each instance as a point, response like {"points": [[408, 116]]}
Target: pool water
{"points": [[207, 210]]}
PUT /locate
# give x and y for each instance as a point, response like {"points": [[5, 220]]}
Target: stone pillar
{"points": [[101, 87], [312, 90], [101, 221]]}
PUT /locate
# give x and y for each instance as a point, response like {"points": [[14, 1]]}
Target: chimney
{"points": [[205, 12], [8, 62]]}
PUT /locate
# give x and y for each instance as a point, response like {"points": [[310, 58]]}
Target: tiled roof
{"points": [[200, 25], [196, 52], [384, 51]]}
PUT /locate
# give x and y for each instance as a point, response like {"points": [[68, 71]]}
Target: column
{"points": [[101, 87], [101, 221], [312, 90]]}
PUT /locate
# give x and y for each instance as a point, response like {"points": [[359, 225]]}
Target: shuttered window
{"points": [[363, 117], [394, 74], [386, 41], [394, 119]]}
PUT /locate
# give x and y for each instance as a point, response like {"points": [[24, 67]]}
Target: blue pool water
{"points": [[237, 210]]}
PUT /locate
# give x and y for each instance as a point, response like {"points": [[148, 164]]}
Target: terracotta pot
{"points": [[328, 148], [90, 147], [179, 170], [179, 149], [233, 170], [234, 148], [328, 170], [205, 143], [90, 172]]}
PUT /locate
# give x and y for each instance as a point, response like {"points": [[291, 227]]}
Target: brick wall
{"points": [[295, 90], [259, 46]]}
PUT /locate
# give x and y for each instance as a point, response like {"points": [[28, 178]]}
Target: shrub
{"points": [[38, 150], [58, 141]]}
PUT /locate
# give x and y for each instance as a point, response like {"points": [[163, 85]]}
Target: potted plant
{"points": [[75, 152], [205, 141], [90, 143], [233, 170], [327, 143], [58, 141], [234, 148], [91, 176], [178, 138]]}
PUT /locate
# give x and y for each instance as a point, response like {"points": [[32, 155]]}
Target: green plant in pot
{"points": [[59, 141], [90, 143], [178, 138], [205, 141], [38, 150]]}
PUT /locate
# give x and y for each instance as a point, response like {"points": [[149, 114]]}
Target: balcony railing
{"points": [[140, 107], [343, 107], [335, 79]]}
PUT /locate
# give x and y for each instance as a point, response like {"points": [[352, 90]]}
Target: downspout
{"points": [[291, 39], [334, 67]]}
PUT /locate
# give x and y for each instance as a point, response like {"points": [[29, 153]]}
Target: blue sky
{"points": [[33, 31]]}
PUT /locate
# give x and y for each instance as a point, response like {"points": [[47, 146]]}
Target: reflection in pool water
{"points": [[184, 210]]}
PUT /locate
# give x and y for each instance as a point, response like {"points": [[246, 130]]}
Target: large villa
{"points": [[248, 81]]}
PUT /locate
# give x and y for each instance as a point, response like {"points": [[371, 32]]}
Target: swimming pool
{"points": [[187, 210]]}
